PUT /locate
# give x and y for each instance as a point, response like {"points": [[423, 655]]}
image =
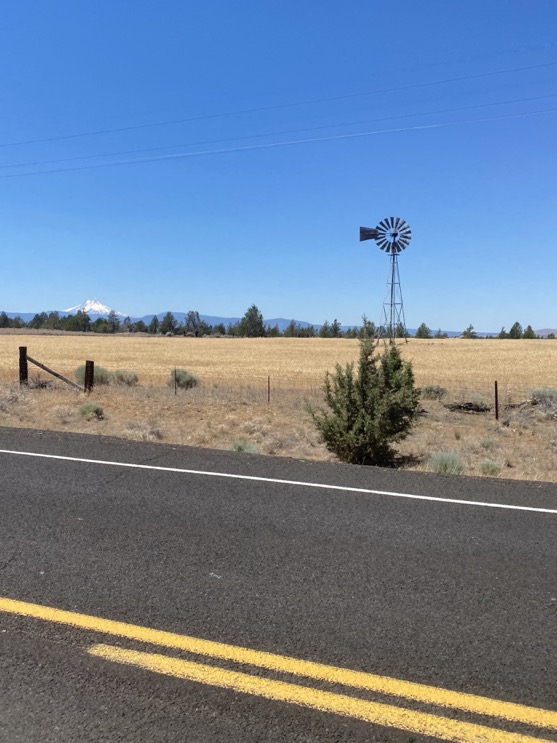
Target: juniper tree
{"points": [[370, 406]]}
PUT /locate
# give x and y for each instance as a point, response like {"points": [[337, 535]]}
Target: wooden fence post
{"points": [[496, 401], [89, 376], [23, 366]]}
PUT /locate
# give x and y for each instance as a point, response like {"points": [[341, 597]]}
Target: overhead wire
{"points": [[271, 145], [279, 132], [278, 106]]}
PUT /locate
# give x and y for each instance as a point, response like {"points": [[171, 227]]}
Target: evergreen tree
{"points": [[503, 333], [325, 330], [516, 331], [169, 324], [251, 325], [39, 321], [154, 325], [113, 321], [469, 332], [529, 332], [71, 323], [292, 330], [368, 329], [352, 333], [400, 331], [4, 320], [54, 321], [192, 323], [439, 334], [369, 408], [84, 321], [101, 326], [423, 331], [335, 329]]}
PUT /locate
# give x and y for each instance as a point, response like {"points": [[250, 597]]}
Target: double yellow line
{"points": [[378, 713]]}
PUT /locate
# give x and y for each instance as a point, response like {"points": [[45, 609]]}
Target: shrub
{"points": [[474, 404], [490, 467], [101, 375], [146, 430], [90, 411], [487, 444], [433, 392], [546, 397], [183, 379], [124, 377], [369, 408], [478, 404], [245, 446], [446, 463]]}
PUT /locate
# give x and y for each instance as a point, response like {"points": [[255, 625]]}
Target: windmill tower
{"points": [[392, 235]]}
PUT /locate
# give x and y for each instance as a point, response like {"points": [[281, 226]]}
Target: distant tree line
{"points": [[516, 331], [251, 325]]}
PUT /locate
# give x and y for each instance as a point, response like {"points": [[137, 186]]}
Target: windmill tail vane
{"points": [[392, 235]]}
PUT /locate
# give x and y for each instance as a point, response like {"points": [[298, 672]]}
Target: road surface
{"points": [[161, 593]]}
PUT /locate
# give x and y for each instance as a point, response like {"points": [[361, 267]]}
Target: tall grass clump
{"points": [[101, 375], [91, 411], [490, 467], [183, 379], [478, 404], [248, 447], [125, 377], [446, 463], [433, 392], [546, 398]]}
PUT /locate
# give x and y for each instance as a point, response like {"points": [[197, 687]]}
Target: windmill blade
{"points": [[392, 224], [384, 225]]}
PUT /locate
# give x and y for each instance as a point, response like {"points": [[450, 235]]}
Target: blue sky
{"points": [[454, 107]]}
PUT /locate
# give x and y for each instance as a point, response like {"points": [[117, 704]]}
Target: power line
{"points": [[278, 106], [280, 132], [272, 145]]}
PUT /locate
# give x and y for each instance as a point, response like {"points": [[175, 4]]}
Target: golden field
{"points": [[230, 408], [452, 362]]}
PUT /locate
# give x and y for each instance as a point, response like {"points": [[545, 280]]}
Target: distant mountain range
{"points": [[94, 308]]}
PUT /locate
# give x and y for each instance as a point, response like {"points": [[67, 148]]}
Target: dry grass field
{"points": [[230, 407]]}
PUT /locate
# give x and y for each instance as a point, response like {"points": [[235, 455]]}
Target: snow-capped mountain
{"points": [[92, 307]]}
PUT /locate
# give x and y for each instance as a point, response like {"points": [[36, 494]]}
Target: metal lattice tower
{"points": [[392, 235]]}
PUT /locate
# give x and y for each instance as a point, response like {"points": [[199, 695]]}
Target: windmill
{"points": [[392, 235]]}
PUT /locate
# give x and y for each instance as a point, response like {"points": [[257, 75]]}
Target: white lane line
{"points": [[253, 478]]}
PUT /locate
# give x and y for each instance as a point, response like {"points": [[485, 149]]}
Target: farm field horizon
{"points": [[450, 362], [253, 395]]}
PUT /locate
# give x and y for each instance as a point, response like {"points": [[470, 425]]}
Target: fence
{"points": [[25, 360], [297, 390]]}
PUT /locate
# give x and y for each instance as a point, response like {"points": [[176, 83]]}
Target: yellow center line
{"points": [[325, 701], [283, 664]]}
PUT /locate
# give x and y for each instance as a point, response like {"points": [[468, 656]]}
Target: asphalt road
{"points": [[236, 553]]}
